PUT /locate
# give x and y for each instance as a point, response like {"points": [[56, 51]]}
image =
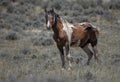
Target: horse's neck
{"points": [[63, 25], [57, 27], [55, 30], [67, 27]]}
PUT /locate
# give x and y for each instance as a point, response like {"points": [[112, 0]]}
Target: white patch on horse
{"points": [[67, 27], [48, 24], [82, 23]]}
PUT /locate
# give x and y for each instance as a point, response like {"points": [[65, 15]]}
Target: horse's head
{"points": [[51, 18]]}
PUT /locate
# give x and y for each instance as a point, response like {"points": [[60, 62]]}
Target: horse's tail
{"points": [[97, 30], [94, 28], [89, 28]]}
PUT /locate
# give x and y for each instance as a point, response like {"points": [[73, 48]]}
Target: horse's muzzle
{"points": [[48, 28]]}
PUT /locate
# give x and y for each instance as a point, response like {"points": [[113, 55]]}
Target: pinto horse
{"points": [[67, 34]]}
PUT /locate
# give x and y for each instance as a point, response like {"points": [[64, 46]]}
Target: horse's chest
{"points": [[61, 39], [62, 35]]}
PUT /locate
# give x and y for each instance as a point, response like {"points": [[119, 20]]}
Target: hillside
{"points": [[29, 54]]}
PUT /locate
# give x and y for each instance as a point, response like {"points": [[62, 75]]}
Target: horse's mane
{"points": [[69, 25]]}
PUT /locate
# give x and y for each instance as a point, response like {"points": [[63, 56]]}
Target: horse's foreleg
{"points": [[60, 48], [88, 52], [68, 57]]}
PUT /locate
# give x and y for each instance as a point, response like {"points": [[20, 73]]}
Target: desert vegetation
{"points": [[29, 54]]}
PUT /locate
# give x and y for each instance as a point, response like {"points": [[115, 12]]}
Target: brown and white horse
{"points": [[66, 35]]}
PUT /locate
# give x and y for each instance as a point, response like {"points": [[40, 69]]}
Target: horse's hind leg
{"points": [[89, 53], [95, 51], [93, 42]]}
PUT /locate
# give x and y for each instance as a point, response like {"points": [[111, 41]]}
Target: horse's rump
{"points": [[87, 26]]}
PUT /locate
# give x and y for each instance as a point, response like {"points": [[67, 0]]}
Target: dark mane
{"points": [[56, 16]]}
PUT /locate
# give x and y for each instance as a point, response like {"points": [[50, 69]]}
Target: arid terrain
{"points": [[28, 52]]}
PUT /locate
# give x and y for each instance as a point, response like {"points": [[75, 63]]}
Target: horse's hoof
{"points": [[69, 69]]}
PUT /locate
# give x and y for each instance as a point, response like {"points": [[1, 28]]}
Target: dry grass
{"points": [[33, 57]]}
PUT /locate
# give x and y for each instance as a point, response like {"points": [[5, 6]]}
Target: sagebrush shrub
{"points": [[12, 36], [25, 50], [114, 4], [3, 53]]}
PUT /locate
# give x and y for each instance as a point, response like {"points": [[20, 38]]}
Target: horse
{"points": [[66, 35]]}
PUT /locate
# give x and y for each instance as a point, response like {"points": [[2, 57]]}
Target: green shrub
{"points": [[44, 39], [99, 10], [57, 4], [25, 50], [87, 3], [109, 16], [114, 4], [10, 8], [4, 2], [88, 11], [3, 53], [12, 36]]}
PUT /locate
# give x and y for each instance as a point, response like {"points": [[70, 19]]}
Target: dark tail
{"points": [[93, 29], [89, 28]]}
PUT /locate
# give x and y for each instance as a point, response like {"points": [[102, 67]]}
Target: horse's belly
{"points": [[75, 43]]}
